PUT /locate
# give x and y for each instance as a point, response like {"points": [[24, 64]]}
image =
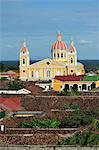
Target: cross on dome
{"points": [[24, 44], [59, 36]]}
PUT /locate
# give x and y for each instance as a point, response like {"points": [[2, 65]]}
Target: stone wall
{"points": [[37, 147]]}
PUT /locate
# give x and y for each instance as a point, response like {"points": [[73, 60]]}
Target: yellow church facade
{"points": [[63, 63]]}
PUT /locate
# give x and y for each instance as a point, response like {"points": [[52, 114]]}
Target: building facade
{"points": [[63, 62], [68, 82]]}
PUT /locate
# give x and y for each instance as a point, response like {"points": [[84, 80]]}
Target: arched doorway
{"points": [[93, 85], [75, 87], [66, 87], [48, 73], [84, 87]]}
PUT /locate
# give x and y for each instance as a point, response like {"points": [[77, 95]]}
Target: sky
{"points": [[38, 21]]}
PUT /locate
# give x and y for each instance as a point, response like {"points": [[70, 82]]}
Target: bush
{"points": [[3, 78], [86, 138], [96, 124], [77, 119], [15, 85], [40, 124], [70, 106], [2, 115]]}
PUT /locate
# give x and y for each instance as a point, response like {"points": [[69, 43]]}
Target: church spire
{"points": [[72, 43]]}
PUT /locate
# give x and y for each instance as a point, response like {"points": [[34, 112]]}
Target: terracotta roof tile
{"points": [[11, 103], [69, 78]]}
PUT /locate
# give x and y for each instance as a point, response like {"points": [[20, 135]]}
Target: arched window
{"points": [[24, 73], [57, 55], [23, 61], [72, 72], [71, 60], [32, 73], [48, 73], [61, 55], [54, 55]]}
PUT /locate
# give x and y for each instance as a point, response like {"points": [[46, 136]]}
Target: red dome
{"points": [[23, 49], [59, 45], [72, 47]]}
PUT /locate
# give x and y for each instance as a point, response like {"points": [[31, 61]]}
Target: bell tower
{"points": [[72, 59], [24, 62]]}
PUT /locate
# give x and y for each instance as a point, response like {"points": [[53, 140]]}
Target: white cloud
{"points": [[85, 42]]}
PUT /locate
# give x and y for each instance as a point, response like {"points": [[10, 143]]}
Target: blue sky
{"points": [[38, 22]]}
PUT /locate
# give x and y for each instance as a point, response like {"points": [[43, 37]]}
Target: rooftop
{"points": [[69, 78], [12, 104], [91, 78]]}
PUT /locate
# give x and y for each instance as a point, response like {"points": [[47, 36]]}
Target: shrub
{"points": [[86, 138], [2, 115], [40, 124], [15, 85], [70, 106], [96, 124], [77, 118]]}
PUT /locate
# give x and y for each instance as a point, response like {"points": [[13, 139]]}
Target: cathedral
{"points": [[63, 62]]}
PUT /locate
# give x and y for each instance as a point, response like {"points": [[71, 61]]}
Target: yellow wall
{"points": [[56, 84]]}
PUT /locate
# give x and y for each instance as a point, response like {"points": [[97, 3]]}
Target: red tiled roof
{"points": [[10, 103], [69, 78], [59, 45], [71, 49], [23, 49]]}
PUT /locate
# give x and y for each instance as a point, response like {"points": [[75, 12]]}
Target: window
{"points": [[48, 63], [23, 61], [61, 55], [32, 73], [48, 73], [71, 60], [24, 74], [72, 72], [54, 55], [57, 55]]}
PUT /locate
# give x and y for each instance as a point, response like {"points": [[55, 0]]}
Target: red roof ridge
{"points": [[69, 78]]}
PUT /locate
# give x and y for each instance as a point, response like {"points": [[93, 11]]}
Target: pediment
{"points": [[47, 63]]}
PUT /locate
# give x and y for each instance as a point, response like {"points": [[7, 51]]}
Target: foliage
{"points": [[96, 124], [15, 85], [64, 93], [53, 123], [6, 67], [3, 78], [2, 115], [74, 92], [78, 118], [2, 67], [70, 106], [86, 138]]}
